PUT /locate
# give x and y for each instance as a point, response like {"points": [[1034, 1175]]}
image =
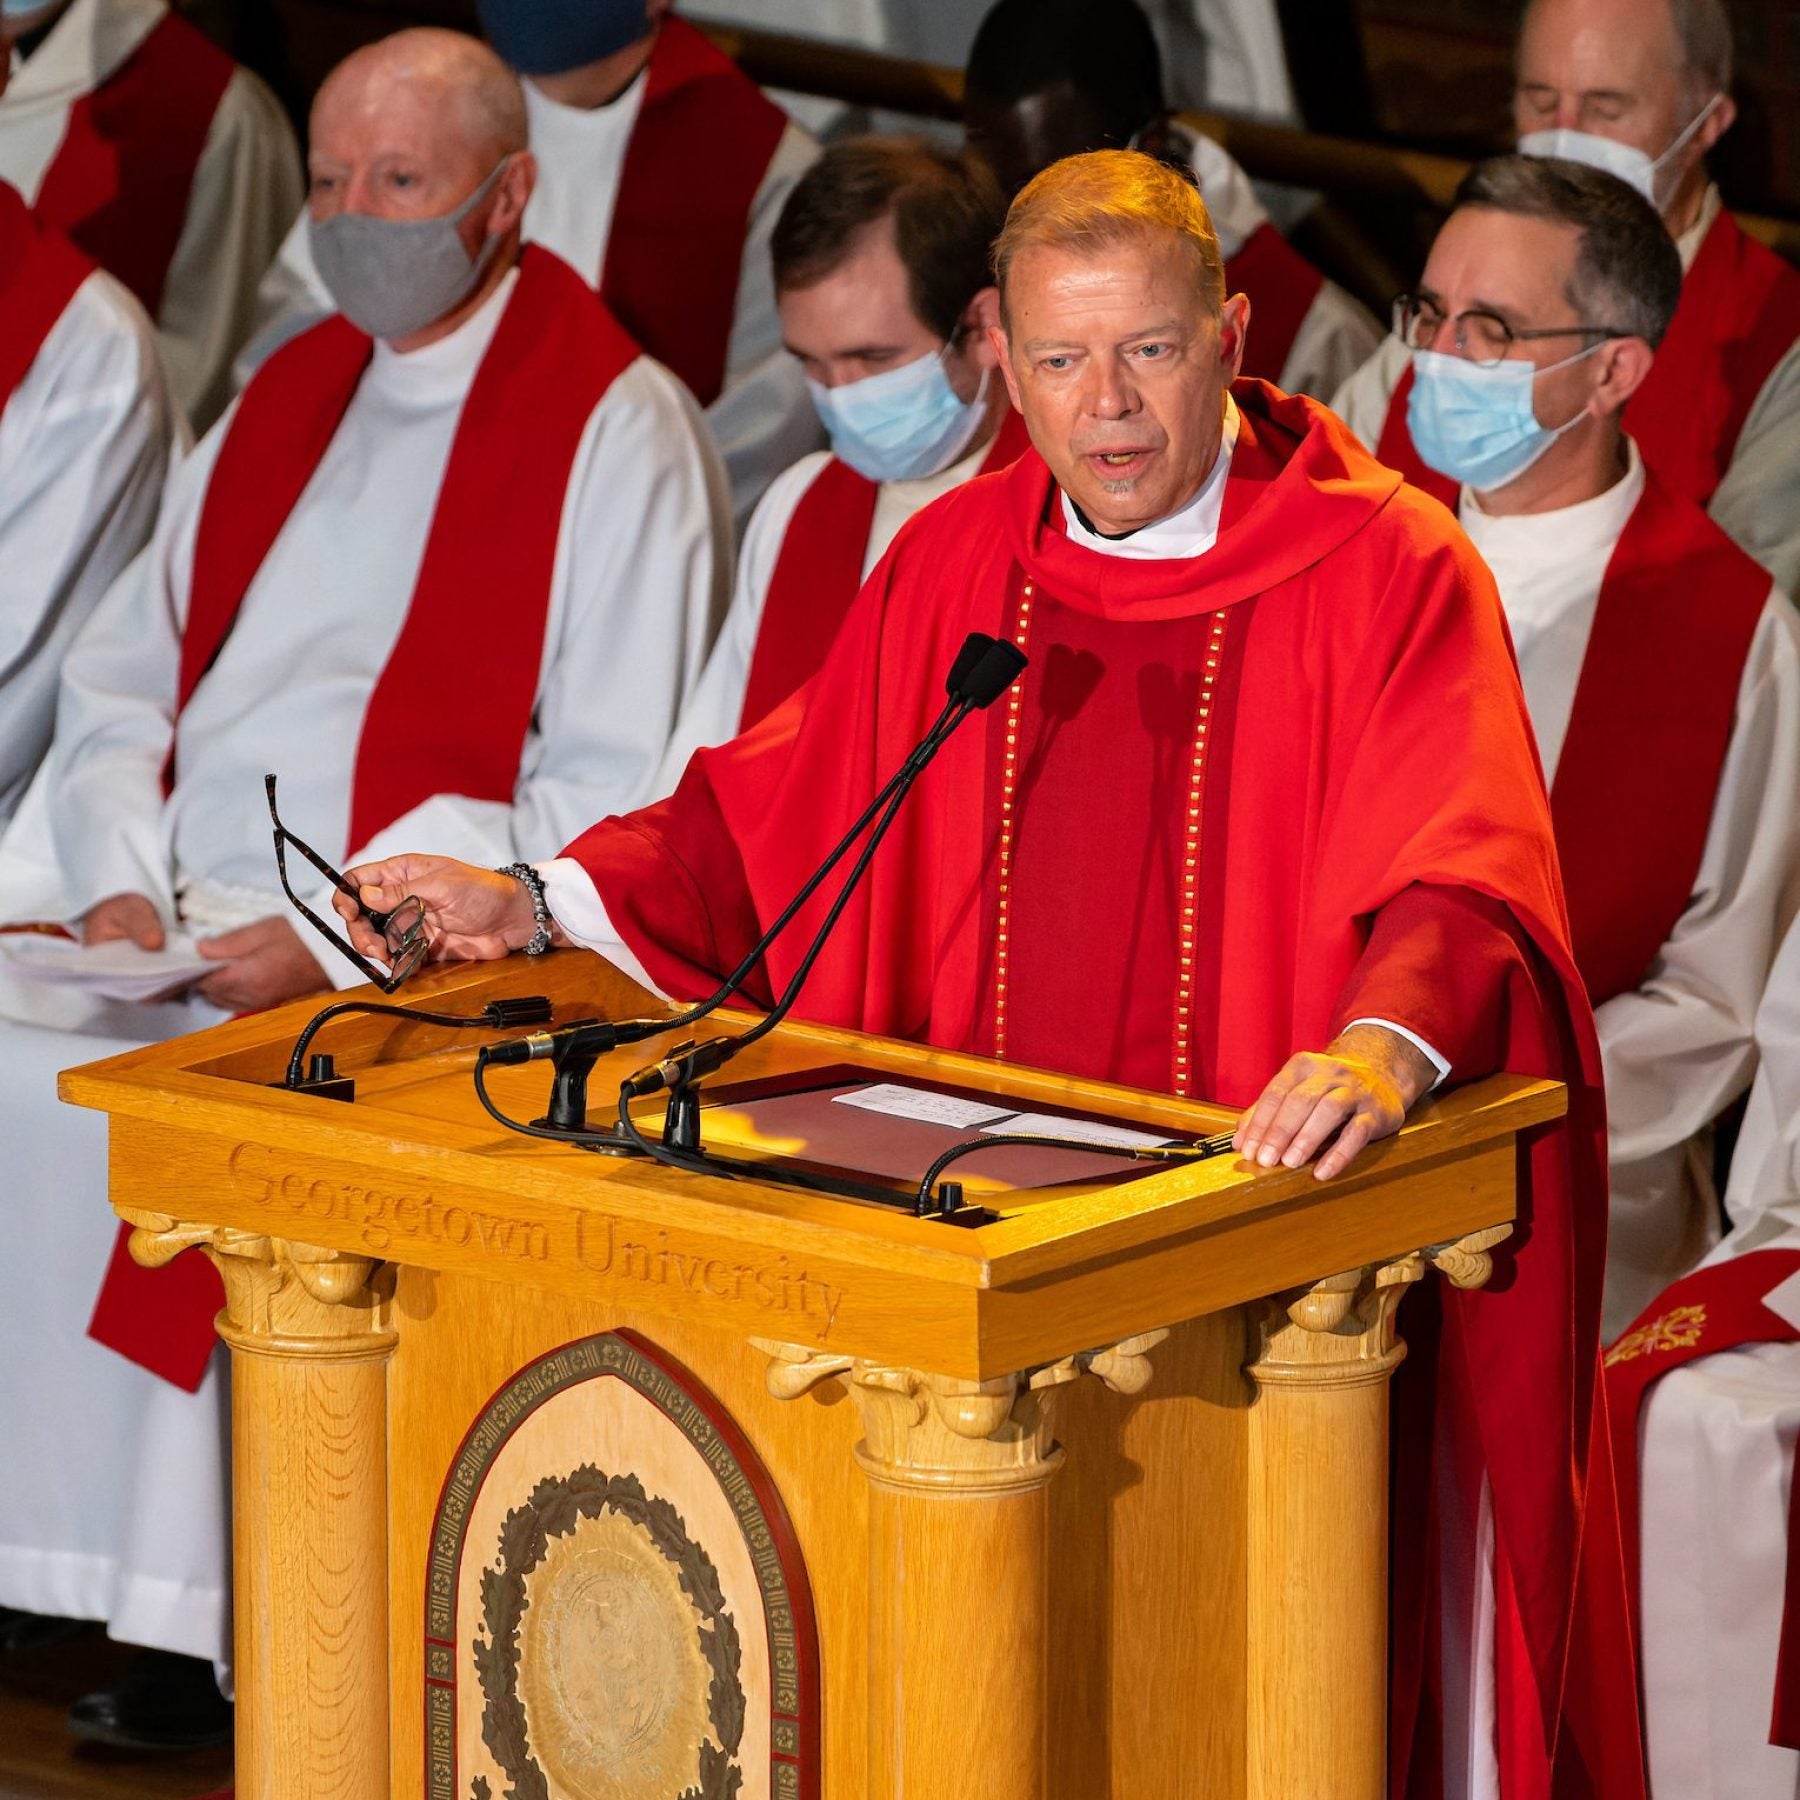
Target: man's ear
{"points": [[1717, 122], [980, 323], [1234, 332], [512, 194], [1628, 361], [1002, 347]]}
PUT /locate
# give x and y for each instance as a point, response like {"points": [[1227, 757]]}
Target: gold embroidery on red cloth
{"points": [[1680, 1328], [1182, 1075]]}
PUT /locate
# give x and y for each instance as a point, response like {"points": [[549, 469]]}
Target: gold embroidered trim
{"points": [[1680, 1328]]}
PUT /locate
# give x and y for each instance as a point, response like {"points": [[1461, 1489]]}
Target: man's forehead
{"points": [[1598, 46], [1142, 266], [1483, 256]]}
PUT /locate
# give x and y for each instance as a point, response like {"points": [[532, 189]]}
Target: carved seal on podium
{"points": [[617, 1608]]}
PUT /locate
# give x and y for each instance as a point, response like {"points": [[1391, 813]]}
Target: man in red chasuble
{"points": [[1270, 769]]}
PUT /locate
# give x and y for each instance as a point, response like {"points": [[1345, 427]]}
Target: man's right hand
{"points": [[471, 914], [123, 916]]}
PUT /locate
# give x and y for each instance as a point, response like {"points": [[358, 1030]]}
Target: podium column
{"points": [[959, 1545], [310, 1338], [1317, 1526]]}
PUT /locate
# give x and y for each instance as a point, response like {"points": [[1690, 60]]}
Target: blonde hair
{"points": [[1108, 197]]}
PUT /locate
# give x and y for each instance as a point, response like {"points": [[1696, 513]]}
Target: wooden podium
{"points": [[588, 1479]]}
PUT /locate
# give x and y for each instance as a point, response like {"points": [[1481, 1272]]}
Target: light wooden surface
{"points": [[1074, 1489]]}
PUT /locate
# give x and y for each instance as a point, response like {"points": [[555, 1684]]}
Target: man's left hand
{"points": [[1346, 1096], [265, 964]]}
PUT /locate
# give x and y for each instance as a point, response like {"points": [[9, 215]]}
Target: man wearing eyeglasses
{"points": [[449, 567], [1661, 667], [1642, 88]]}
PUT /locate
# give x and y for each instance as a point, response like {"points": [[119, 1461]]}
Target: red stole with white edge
{"points": [[1739, 316], [696, 160], [440, 719], [39, 273], [819, 571], [118, 184], [1648, 733], [1712, 1310], [1282, 286]]}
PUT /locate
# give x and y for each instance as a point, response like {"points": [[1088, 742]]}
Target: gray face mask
{"points": [[392, 277]]}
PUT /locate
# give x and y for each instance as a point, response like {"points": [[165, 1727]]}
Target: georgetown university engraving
{"points": [[406, 1225]]}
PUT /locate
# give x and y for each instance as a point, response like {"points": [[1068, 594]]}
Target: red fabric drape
{"points": [[118, 184], [1648, 732], [39, 273], [702, 144]]}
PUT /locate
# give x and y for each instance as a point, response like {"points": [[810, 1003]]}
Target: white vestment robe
{"points": [[1756, 505], [763, 419], [1678, 1049], [85, 441], [245, 192], [1716, 1458], [107, 1467]]}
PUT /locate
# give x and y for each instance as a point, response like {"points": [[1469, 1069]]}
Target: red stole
{"points": [[439, 720], [820, 569], [118, 184], [1282, 286], [696, 160], [1648, 733], [39, 273], [1739, 316], [1712, 1310], [1322, 802]]}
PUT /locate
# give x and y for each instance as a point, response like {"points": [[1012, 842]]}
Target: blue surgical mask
{"points": [[1634, 166], [903, 423], [1474, 422], [550, 37], [25, 9]]}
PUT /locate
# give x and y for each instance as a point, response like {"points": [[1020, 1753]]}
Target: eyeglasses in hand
{"points": [[402, 930]]}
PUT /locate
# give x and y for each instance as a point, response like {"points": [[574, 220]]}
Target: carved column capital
{"points": [[282, 1297], [1342, 1331], [939, 1432]]}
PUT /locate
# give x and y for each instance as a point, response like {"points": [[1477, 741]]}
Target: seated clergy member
{"points": [[1640, 87], [886, 296], [85, 435], [1051, 78], [172, 167], [1273, 775], [1677, 810], [454, 580], [1705, 1394], [661, 173]]}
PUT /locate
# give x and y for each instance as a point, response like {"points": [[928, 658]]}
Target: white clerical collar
{"points": [[1516, 544], [443, 370], [1190, 532], [1688, 244], [84, 47]]}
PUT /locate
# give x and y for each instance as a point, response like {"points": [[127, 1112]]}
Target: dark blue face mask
{"points": [[548, 37]]}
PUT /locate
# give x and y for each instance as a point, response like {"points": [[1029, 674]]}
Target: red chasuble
{"points": [[701, 146], [819, 570], [1640, 765], [1282, 285], [439, 720], [1266, 791], [1739, 316], [39, 273], [119, 182]]}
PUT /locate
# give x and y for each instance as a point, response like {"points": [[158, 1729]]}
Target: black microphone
{"points": [[986, 676], [974, 672]]}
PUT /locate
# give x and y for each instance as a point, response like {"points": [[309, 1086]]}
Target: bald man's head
{"points": [[439, 92]]}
